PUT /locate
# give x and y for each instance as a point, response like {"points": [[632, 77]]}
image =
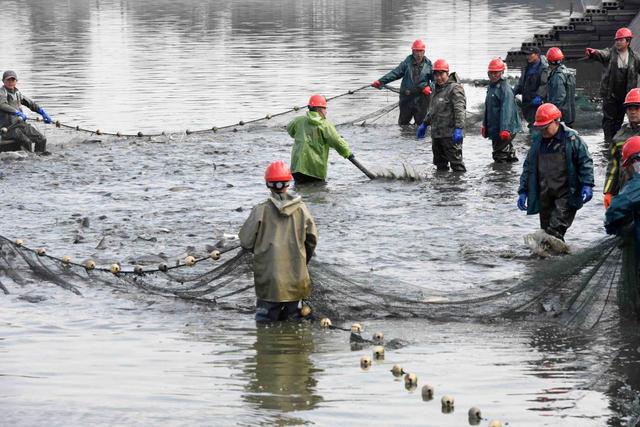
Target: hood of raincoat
{"points": [[286, 203]]}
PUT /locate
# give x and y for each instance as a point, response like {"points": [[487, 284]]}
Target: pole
{"points": [[359, 165]]}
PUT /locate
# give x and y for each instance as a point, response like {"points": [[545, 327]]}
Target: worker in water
{"points": [[557, 175], [446, 116], [313, 134], [282, 235], [15, 121], [501, 122], [533, 83], [561, 86], [416, 74], [620, 75], [623, 218], [616, 177]]}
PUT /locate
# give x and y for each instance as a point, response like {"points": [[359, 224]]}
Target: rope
{"points": [[163, 268], [213, 129]]}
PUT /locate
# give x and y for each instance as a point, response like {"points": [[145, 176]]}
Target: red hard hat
{"points": [[418, 45], [630, 150], [554, 54], [441, 65], [633, 97], [496, 64], [317, 101], [278, 171], [546, 113], [623, 33]]}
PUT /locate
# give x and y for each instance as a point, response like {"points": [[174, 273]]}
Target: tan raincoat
{"points": [[282, 235]]}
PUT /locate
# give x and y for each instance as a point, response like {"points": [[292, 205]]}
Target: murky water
{"points": [[112, 357]]}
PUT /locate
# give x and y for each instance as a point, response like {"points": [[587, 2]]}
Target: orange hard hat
{"points": [[317, 101], [418, 45], [496, 64], [633, 97], [554, 54], [441, 65], [278, 171], [546, 113], [623, 33], [630, 150]]}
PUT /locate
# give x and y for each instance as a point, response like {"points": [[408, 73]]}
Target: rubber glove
{"points": [[22, 115], [427, 90], [505, 135], [376, 84], [483, 131], [586, 193], [422, 130], [607, 200], [457, 136], [522, 201], [45, 116], [590, 52], [537, 101]]}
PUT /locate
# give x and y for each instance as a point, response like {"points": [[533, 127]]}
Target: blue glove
{"points": [[586, 193], [22, 115], [45, 116], [522, 201], [537, 101], [457, 136], [422, 130]]}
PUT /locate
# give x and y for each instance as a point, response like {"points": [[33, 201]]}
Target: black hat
{"points": [[531, 49]]}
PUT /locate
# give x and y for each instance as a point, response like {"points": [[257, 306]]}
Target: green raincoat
{"points": [[561, 91], [313, 136], [500, 110], [282, 235]]}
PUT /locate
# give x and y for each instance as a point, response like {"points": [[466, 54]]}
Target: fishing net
{"points": [[577, 289]]}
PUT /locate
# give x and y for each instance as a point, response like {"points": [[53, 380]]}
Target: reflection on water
{"points": [[185, 64], [176, 64], [281, 374]]}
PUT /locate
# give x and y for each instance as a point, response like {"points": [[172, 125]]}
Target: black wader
{"points": [[503, 151], [613, 109], [268, 311], [27, 136], [445, 152], [556, 213]]}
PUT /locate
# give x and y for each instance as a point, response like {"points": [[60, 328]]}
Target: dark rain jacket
{"points": [[624, 208], [404, 71], [615, 177], [500, 110], [533, 81], [609, 58], [447, 109], [579, 169], [10, 103], [313, 136], [561, 91], [282, 235]]}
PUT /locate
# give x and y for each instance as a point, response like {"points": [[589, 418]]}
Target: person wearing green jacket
{"points": [[561, 86], [282, 235], [557, 174], [446, 116], [417, 75], [313, 135], [501, 122]]}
